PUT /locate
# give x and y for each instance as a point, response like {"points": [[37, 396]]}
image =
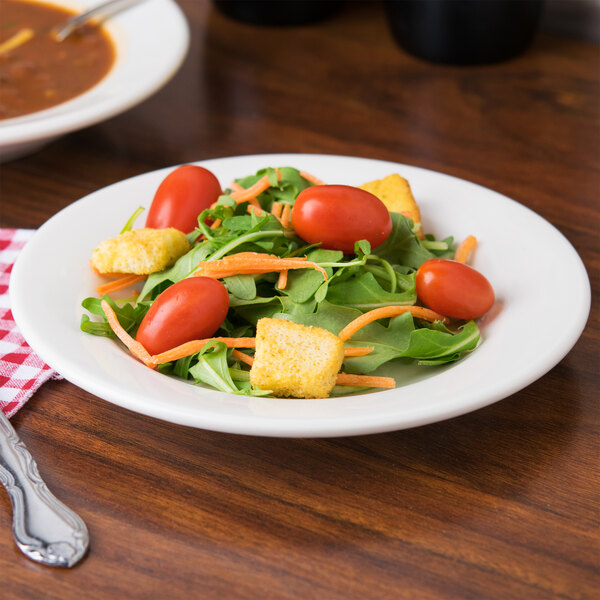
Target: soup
{"points": [[42, 72]]}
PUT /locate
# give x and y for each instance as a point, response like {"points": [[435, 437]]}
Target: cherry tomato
{"points": [[181, 197], [192, 309], [339, 215], [454, 289]]}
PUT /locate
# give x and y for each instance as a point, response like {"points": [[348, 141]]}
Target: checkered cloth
{"points": [[21, 370]]}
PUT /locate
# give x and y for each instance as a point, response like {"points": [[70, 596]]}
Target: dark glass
{"points": [[464, 32], [278, 12]]}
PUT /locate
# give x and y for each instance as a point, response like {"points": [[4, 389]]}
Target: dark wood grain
{"points": [[502, 503]]}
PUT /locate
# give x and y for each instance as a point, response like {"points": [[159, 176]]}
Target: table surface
{"points": [[499, 503]]}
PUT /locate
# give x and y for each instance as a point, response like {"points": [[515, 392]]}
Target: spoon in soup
{"points": [[108, 8], [61, 32]]}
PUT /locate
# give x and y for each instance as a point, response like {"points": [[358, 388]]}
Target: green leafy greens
{"points": [[356, 284]]}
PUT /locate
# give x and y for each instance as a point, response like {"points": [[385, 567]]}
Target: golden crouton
{"points": [[394, 191], [295, 360], [140, 251]]}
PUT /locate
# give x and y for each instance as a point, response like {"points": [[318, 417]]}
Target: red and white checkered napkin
{"points": [[22, 371]]}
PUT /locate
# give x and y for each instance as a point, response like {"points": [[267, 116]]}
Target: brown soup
{"points": [[43, 72]]}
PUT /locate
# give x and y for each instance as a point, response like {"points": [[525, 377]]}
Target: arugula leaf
{"points": [[180, 270], [285, 190], [402, 246], [440, 249], [400, 339], [303, 283], [212, 368], [251, 311], [95, 328], [241, 286], [366, 293], [129, 315]]}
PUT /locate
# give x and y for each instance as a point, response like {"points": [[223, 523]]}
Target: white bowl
{"points": [[151, 40]]}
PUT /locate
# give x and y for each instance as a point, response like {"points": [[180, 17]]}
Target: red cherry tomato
{"points": [[454, 289], [181, 197], [192, 309], [339, 215]]}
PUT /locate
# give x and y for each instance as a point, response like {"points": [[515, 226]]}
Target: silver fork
{"points": [[44, 529]]}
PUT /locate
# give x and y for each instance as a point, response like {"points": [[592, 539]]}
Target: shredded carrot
{"points": [[285, 215], [276, 209], [387, 311], [236, 187], [193, 346], [282, 281], [465, 248], [258, 211], [119, 284], [259, 187], [365, 380], [358, 350], [134, 346], [342, 378], [245, 358], [22, 36], [254, 202], [252, 263], [196, 345], [216, 224], [311, 178]]}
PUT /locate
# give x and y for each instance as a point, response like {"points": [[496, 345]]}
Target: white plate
{"points": [[151, 40], [540, 282]]}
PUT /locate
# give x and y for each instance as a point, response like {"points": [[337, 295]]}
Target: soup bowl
{"points": [[140, 69]]}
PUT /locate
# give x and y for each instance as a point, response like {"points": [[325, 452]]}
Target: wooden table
{"points": [[501, 503]]}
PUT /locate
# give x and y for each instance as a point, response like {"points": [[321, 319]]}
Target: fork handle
{"points": [[44, 529]]}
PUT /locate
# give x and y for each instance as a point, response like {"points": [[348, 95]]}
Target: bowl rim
{"points": [[100, 102]]}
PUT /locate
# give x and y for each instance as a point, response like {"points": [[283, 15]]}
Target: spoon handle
{"points": [[110, 6], [44, 529]]}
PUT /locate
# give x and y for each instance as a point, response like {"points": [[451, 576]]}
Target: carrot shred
{"points": [[252, 263], [365, 380], [276, 209], [216, 224], [282, 281], [358, 350], [245, 358], [387, 311], [193, 346], [254, 190], [465, 248], [236, 187], [119, 284], [285, 215], [196, 345], [257, 210], [16, 40], [135, 347], [311, 178]]}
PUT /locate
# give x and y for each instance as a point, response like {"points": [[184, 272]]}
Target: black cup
{"points": [[464, 32], [278, 12]]}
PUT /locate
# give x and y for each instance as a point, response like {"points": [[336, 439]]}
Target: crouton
{"points": [[295, 360], [140, 251], [394, 191]]}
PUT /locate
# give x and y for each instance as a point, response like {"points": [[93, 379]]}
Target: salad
{"points": [[285, 286]]}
